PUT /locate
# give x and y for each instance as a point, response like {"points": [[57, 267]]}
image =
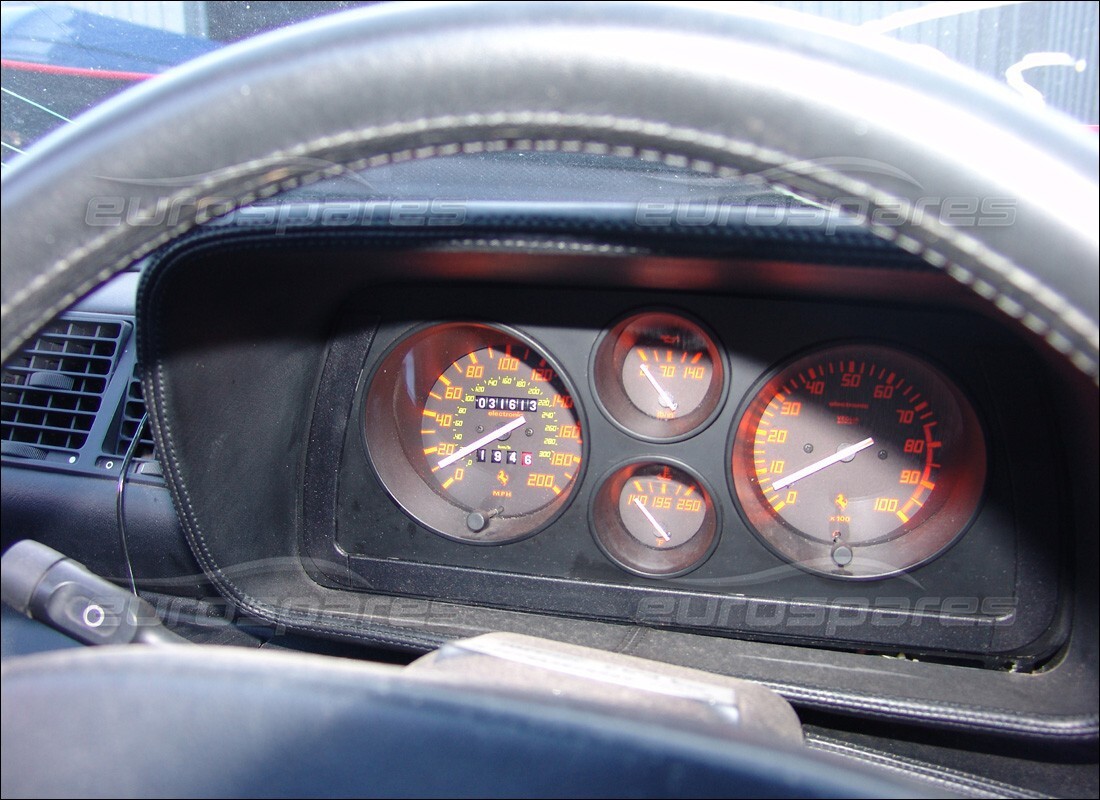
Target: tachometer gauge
{"points": [[659, 375], [485, 422], [858, 461], [655, 518]]}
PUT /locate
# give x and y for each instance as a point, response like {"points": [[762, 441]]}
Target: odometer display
{"points": [[858, 461], [499, 434]]}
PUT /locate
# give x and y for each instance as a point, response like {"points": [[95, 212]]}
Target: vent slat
{"points": [[70, 364], [53, 388], [57, 393], [133, 408], [31, 427]]}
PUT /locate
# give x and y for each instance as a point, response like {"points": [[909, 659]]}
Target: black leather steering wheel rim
{"points": [[834, 114]]}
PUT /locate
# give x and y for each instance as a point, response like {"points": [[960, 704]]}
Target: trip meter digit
{"points": [[858, 461], [473, 430]]}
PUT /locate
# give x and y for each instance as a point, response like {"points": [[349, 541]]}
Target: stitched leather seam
{"points": [[942, 776], [352, 628], [950, 714], [1000, 267]]}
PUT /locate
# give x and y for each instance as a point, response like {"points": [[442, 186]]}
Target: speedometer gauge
{"points": [[499, 434], [474, 432], [858, 461]]}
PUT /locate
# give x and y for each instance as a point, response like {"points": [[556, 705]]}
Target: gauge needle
{"points": [[817, 466], [663, 397], [518, 422], [652, 520]]}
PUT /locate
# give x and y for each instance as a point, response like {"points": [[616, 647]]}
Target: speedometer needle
{"points": [[652, 520], [518, 422], [817, 466], [663, 397]]}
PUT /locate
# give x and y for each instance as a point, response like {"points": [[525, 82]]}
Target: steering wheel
{"points": [[814, 106], [722, 92]]}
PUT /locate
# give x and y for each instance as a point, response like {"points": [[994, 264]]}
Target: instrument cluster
{"points": [[855, 460]]}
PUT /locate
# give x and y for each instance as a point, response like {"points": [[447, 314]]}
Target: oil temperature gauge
{"points": [[655, 518]]}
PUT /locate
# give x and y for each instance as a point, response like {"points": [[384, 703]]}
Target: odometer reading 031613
{"points": [[859, 461], [500, 434]]}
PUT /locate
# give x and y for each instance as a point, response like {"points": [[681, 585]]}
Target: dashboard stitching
{"points": [[162, 427], [1085, 726], [553, 245], [1050, 301], [941, 776]]}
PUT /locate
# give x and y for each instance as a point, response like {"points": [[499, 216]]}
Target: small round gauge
{"points": [[655, 518], [490, 441], [858, 461], [659, 375]]}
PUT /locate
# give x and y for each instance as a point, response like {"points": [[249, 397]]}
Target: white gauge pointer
{"points": [[663, 397], [817, 466], [518, 422], [652, 520]]}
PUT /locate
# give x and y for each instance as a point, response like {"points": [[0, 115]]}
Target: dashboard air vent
{"points": [[133, 408], [53, 388]]}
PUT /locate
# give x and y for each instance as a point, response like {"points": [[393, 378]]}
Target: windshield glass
{"points": [[62, 58]]}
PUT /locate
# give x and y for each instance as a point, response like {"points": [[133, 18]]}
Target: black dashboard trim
{"points": [[377, 617]]}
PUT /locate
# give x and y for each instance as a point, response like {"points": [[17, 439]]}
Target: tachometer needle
{"points": [[652, 520], [817, 466], [518, 422], [663, 397]]}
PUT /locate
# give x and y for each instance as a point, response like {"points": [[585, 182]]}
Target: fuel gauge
{"points": [[655, 518], [659, 375]]}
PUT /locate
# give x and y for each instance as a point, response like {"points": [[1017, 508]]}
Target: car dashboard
{"points": [[787, 452]]}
